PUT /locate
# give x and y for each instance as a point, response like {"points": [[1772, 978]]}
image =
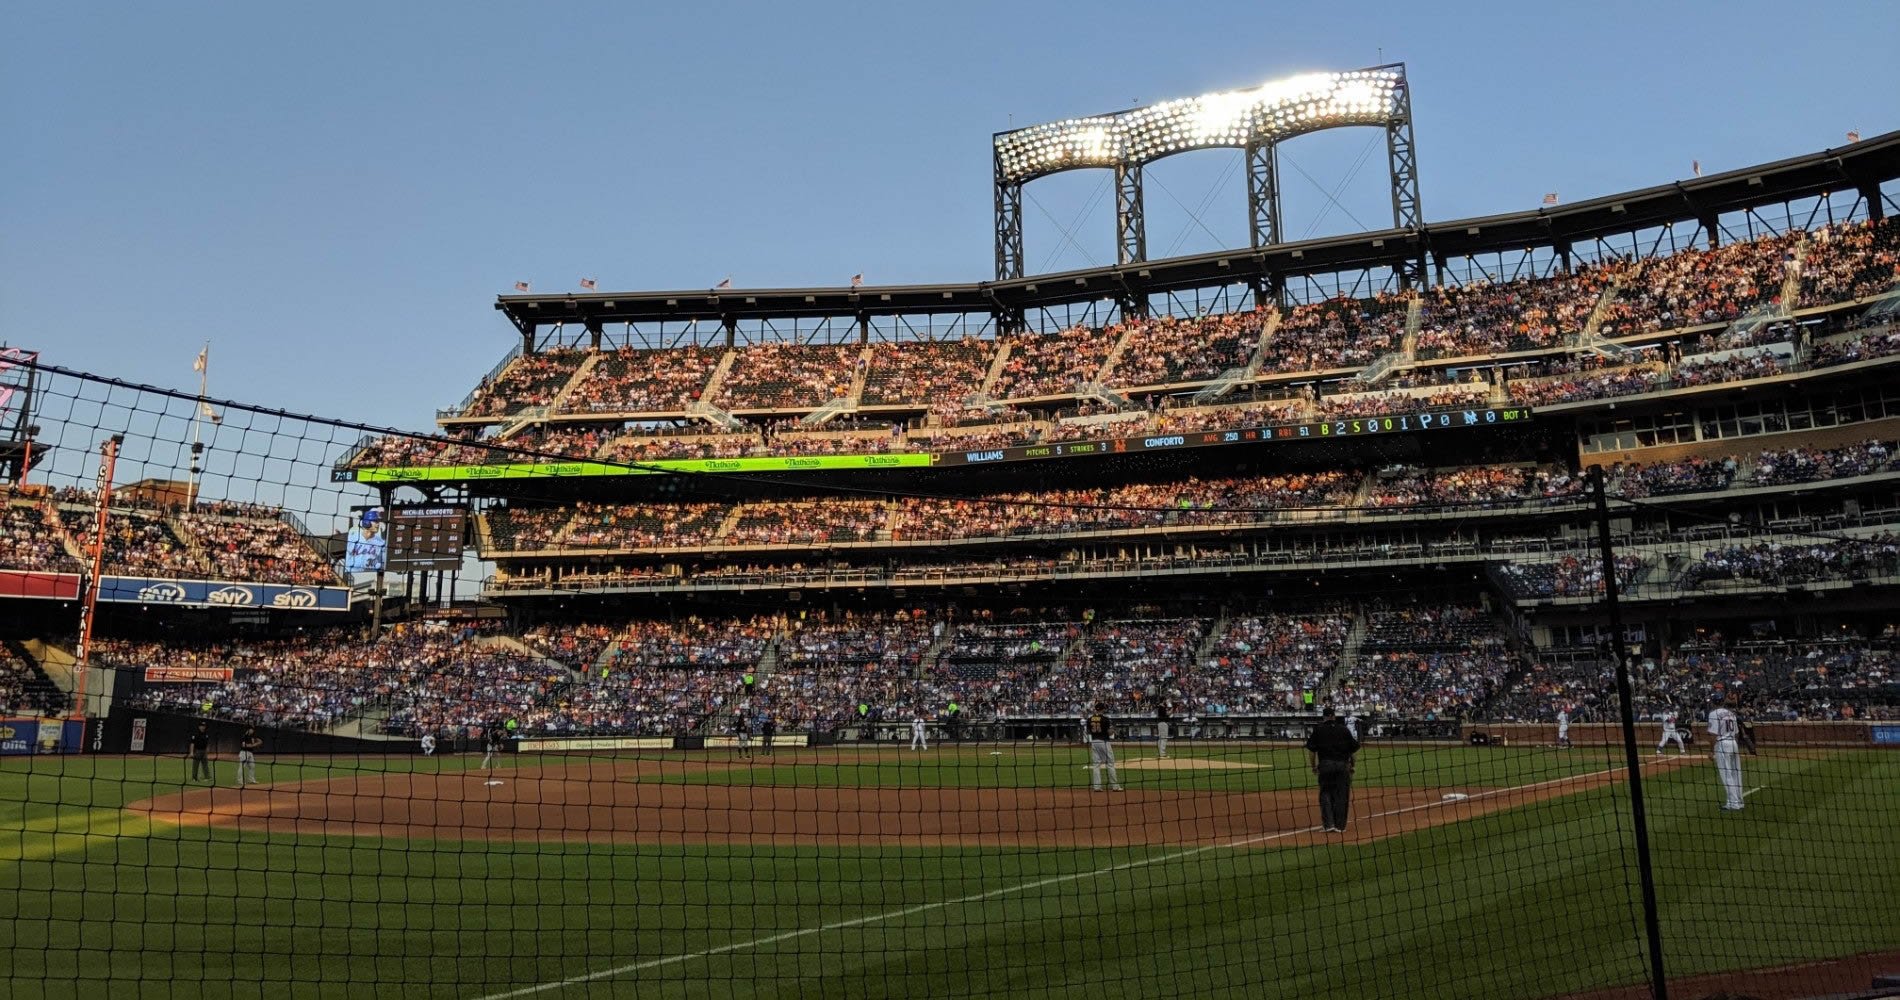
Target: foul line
{"points": [[911, 911]]}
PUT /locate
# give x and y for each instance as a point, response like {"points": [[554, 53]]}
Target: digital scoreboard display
{"points": [[426, 538]]}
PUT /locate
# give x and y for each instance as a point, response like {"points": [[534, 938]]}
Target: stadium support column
{"points": [[1870, 193], [376, 609], [1625, 697], [1131, 232], [1263, 194], [1009, 224], [1402, 158]]}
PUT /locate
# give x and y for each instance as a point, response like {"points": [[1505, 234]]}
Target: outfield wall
{"points": [[168, 733], [1648, 734]]}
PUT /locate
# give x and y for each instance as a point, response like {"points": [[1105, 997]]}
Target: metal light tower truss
{"points": [[1255, 121]]}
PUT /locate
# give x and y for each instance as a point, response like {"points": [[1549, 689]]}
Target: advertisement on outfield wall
{"points": [[187, 675], [222, 594], [29, 736], [1888, 736], [1356, 427], [57, 586]]}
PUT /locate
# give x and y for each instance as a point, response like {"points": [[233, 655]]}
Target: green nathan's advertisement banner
{"points": [[546, 470]]}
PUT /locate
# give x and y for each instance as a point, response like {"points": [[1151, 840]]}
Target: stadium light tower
{"points": [[1255, 121]]}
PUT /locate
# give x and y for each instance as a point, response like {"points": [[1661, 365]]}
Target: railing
{"points": [[1096, 390], [1381, 366], [357, 451], [714, 415], [486, 381], [824, 413], [1222, 385]]}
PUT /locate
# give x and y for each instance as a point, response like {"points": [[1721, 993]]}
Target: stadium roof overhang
{"points": [[1865, 164]]}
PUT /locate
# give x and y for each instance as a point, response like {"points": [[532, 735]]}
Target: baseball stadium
{"points": [[1013, 637]]}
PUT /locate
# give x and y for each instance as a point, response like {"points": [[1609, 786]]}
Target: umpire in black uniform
{"points": [[1331, 749]]}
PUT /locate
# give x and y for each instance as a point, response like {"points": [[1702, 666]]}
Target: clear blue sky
{"points": [[334, 193]]}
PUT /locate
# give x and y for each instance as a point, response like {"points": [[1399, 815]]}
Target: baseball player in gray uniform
{"points": [[1101, 749]]}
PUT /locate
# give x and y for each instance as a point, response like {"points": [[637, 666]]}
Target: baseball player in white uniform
{"points": [[1352, 724], [1670, 732], [917, 740], [1563, 726], [1727, 730], [428, 744]]}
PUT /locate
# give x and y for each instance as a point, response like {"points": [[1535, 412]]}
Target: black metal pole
{"points": [[1625, 698]]}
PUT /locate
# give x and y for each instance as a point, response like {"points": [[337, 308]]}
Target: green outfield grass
{"points": [[1531, 901]]}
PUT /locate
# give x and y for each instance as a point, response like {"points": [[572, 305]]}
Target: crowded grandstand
{"points": [[1373, 493]]}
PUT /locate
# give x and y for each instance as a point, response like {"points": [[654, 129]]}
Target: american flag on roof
{"points": [[724, 283], [1853, 136], [1551, 198], [589, 284], [857, 280], [521, 286], [1695, 167]]}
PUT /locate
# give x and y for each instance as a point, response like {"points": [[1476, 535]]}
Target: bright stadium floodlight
{"points": [[1254, 120]]}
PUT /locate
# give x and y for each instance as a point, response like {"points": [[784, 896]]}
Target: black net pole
{"points": [[1625, 698]]}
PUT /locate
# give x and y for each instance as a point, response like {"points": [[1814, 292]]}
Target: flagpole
{"points": [[197, 424]]}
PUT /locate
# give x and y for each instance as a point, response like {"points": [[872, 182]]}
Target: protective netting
{"points": [[663, 733]]}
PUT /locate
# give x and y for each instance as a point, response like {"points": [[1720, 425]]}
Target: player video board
{"points": [[426, 538]]}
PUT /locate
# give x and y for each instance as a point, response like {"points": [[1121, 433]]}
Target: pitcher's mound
{"points": [[1186, 764]]}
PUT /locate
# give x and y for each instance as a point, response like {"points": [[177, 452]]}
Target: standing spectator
{"points": [[1330, 750]]}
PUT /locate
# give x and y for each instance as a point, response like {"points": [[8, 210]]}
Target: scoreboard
{"points": [[426, 538]]}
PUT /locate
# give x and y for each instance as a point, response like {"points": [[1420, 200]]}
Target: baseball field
{"points": [[975, 870]]}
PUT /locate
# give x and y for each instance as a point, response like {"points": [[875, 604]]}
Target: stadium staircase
{"points": [[559, 402], [1267, 330], [1204, 653], [1391, 361], [711, 390], [512, 644], [1115, 353], [1414, 321], [1791, 280], [1591, 339], [55, 663], [933, 653], [39, 690], [188, 540], [480, 387], [727, 525], [1233, 378], [996, 371], [1348, 655], [719, 723], [50, 515]]}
